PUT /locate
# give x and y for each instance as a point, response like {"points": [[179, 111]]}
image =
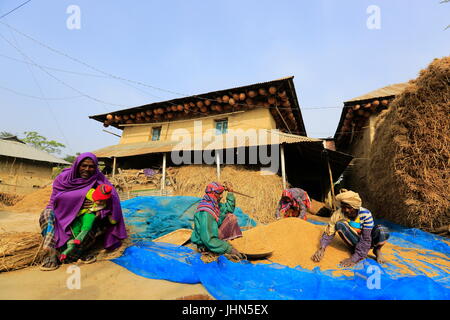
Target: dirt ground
{"points": [[99, 280]]}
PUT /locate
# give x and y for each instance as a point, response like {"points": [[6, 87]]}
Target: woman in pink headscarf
{"points": [[214, 222], [68, 198], [294, 202]]}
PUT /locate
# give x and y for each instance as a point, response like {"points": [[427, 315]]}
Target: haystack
{"points": [[9, 199], [409, 170], [266, 189], [19, 250], [34, 202]]}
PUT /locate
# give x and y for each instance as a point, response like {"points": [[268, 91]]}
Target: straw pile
{"points": [[34, 202], [266, 189], [18, 250], [8, 199], [409, 174]]}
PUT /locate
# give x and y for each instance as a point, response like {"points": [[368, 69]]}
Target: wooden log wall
{"points": [[270, 97], [357, 114]]}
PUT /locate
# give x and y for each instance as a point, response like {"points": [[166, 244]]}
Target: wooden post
{"points": [[114, 167], [218, 165], [163, 182], [332, 184], [283, 166], [372, 128]]}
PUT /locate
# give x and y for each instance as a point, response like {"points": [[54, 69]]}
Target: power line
{"points": [[55, 69], [59, 80], [73, 72], [88, 65], [133, 81], [42, 94], [1, 17], [36, 97]]}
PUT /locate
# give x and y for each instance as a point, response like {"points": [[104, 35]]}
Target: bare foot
{"points": [[380, 258], [50, 263]]}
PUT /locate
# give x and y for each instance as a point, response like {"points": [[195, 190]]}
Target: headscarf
{"points": [[69, 192], [349, 197], [210, 201], [298, 200]]}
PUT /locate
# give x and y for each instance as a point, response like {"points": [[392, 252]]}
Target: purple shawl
{"points": [[69, 192]]}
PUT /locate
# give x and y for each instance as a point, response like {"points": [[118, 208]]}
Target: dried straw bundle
{"points": [[409, 174], [9, 199], [19, 250], [34, 202], [266, 189]]}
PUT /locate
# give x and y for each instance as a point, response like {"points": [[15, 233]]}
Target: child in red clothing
{"points": [[85, 219]]}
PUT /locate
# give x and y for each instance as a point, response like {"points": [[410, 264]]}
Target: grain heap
{"points": [[192, 180], [408, 172], [294, 241]]}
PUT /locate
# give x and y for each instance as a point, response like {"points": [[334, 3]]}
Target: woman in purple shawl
{"points": [[68, 198]]}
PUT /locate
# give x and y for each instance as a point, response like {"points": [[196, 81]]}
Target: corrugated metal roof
{"points": [[273, 137], [20, 150], [391, 90]]}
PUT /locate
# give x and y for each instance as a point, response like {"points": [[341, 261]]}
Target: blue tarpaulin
{"points": [[152, 217]]}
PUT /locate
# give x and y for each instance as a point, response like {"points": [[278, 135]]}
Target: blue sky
{"points": [[191, 47]]}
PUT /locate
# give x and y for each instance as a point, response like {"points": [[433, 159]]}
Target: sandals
{"points": [[49, 264]]}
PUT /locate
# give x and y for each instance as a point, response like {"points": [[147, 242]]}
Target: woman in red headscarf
{"points": [[214, 222], [294, 202]]}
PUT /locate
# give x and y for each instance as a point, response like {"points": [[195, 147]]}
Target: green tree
{"points": [[446, 1], [70, 158], [40, 142], [5, 134]]}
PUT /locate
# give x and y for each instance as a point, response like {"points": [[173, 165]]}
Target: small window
{"points": [[156, 133], [221, 126]]}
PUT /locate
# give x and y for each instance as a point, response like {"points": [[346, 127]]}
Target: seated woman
{"points": [[68, 198], [294, 202], [214, 222], [85, 219]]}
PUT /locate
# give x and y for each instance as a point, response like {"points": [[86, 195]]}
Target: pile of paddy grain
{"points": [[408, 177], [293, 242], [34, 202], [266, 189]]}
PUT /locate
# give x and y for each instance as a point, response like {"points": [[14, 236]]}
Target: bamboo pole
{"points": [[332, 185], [218, 165], [163, 182], [114, 167]]}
